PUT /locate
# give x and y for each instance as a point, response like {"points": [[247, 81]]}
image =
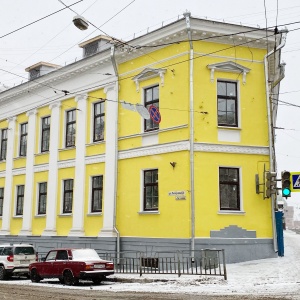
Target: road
{"points": [[22, 292]]}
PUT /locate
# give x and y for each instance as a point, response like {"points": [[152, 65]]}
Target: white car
{"points": [[15, 259]]}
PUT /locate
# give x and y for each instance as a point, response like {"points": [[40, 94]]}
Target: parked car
{"points": [[70, 265], [15, 259]]}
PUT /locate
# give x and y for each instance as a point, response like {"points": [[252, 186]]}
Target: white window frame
{"points": [[238, 103], [231, 212]]}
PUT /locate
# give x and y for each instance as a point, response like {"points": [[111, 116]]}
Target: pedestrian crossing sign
{"points": [[295, 181]]}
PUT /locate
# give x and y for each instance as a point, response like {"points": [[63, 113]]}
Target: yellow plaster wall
{"points": [[173, 217]]}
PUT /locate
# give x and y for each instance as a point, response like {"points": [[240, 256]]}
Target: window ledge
{"points": [[40, 216], [154, 212], [229, 127], [231, 212], [18, 217], [65, 215], [94, 214]]}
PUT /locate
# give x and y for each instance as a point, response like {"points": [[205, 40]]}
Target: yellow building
{"points": [[154, 143]]}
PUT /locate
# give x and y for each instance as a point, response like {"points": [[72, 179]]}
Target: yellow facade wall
{"points": [[173, 217]]}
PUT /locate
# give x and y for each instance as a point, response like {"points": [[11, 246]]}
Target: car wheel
{"points": [[61, 280], [34, 276], [68, 278], [2, 273]]}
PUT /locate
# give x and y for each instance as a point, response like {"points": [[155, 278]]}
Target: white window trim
{"points": [[233, 212], [62, 198], [143, 103], [142, 211], [239, 119], [90, 213], [65, 127], [40, 134], [37, 200]]}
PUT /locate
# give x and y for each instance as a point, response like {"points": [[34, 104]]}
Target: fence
{"points": [[204, 262]]}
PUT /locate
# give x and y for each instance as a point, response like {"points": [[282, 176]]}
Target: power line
{"points": [[39, 19]]}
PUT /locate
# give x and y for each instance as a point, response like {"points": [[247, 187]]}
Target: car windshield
{"points": [[85, 254]]}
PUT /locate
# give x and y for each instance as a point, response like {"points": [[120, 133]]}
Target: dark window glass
{"points": [[97, 193], [3, 144], [151, 190], [45, 134], [23, 139], [98, 121], [151, 97], [229, 189], [71, 128], [42, 198], [227, 104], [20, 200], [68, 196], [1, 201]]}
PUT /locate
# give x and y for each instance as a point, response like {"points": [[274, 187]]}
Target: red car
{"points": [[70, 265]]}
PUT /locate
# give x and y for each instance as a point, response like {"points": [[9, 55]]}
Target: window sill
{"points": [[151, 212], [40, 216], [231, 212], [65, 215], [229, 127], [18, 217], [94, 214]]}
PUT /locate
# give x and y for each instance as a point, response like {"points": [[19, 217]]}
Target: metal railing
{"points": [[204, 262]]}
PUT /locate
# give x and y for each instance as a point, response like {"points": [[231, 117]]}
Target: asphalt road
{"points": [[22, 292]]}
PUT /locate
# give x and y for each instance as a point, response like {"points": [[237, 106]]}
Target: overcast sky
{"points": [[54, 39]]}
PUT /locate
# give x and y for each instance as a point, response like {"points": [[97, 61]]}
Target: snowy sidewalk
{"points": [[279, 277]]}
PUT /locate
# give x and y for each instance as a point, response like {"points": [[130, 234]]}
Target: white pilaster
{"points": [[50, 229], [79, 182], [8, 201], [111, 160], [29, 188]]}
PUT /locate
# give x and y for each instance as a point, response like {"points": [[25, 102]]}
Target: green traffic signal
{"points": [[286, 192], [286, 184]]}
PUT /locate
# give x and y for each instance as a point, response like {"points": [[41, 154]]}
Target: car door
{"points": [[46, 267], [60, 262]]}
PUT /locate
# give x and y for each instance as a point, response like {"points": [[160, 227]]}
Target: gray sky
{"points": [[55, 39]]}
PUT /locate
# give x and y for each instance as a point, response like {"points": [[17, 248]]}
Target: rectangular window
{"points": [[3, 144], [151, 97], [97, 193], [98, 121], [45, 134], [42, 201], [151, 190], [20, 200], [227, 104], [229, 189], [68, 196], [1, 201], [23, 139], [70, 128]]}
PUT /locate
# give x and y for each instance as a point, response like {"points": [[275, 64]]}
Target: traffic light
{"points": [[286, 184], [270, 184]]}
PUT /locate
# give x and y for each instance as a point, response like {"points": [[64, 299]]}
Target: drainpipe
{"points": [[270, 122], [113, 60], [187, 16]]}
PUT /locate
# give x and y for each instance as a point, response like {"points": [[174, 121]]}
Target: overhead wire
{"points": [[47, 16]]}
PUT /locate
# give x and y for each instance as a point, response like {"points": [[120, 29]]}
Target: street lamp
{"points": [[80, 22]]}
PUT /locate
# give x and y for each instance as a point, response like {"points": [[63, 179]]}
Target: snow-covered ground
{"points": [[276, 276]]}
